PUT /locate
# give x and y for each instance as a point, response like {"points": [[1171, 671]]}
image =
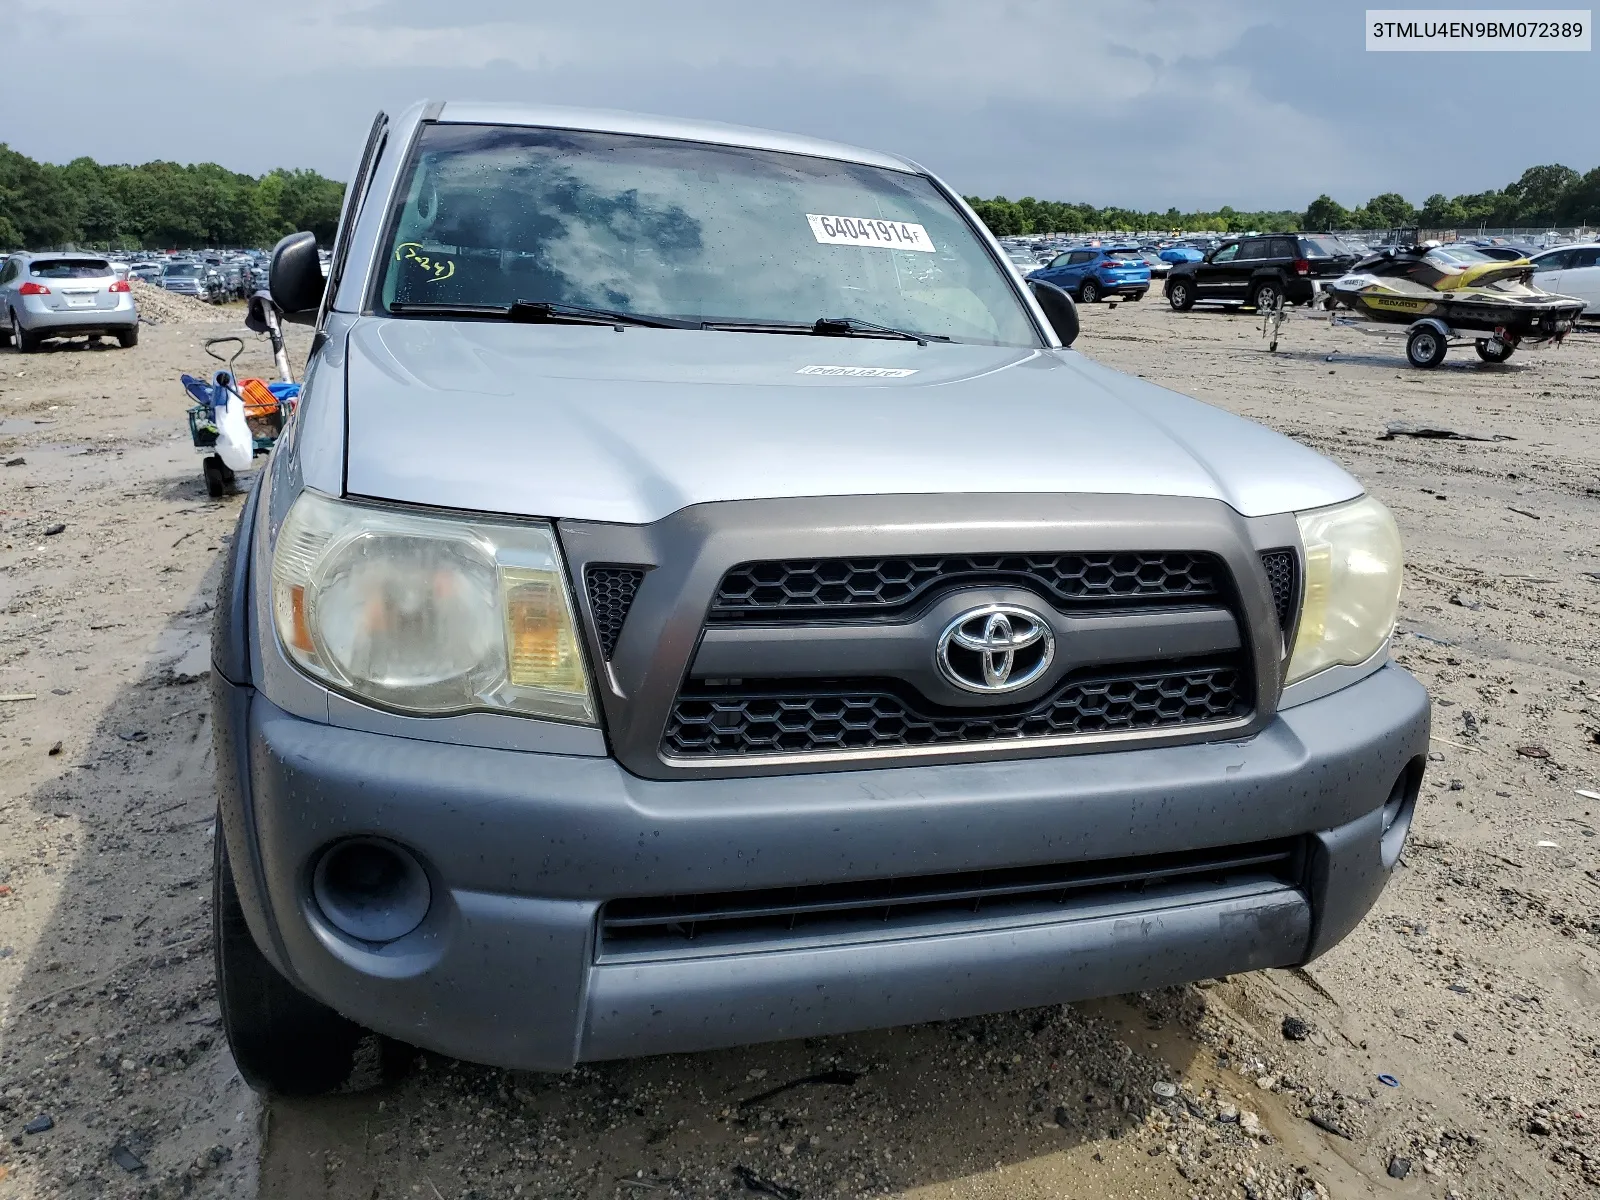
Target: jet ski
{"points": [[1447, 292]]}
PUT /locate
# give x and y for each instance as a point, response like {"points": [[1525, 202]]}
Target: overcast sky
{"points": [[1144, 103]]}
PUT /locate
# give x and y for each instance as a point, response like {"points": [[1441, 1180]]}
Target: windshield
{"points": [[1459, 254], [69, 268], [490, 215], [1328, 247], [182, 269]]}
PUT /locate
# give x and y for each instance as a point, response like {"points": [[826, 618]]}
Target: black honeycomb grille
{"points": [[611, 592], [844, 586], [784, 718], [1281, 578]]}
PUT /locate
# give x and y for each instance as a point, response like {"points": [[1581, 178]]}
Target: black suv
{"points": [[1260, 271]]}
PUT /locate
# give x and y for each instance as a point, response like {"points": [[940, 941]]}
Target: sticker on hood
{"points": [[870, 231], [858, 372]]}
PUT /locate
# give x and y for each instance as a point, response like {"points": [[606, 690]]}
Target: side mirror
{"points": [[295, 278], [1058, 308]]}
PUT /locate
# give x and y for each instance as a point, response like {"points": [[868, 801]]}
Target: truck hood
{"points": [[588, 423]]}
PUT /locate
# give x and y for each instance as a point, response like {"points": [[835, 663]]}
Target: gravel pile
{"points": [[157, 305]]}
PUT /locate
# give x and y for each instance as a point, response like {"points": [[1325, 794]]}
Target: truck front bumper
{"points": [[523, 851]]}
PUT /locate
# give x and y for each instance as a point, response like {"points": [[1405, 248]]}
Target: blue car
{"points": [[1092, 274], [1181, 254]]}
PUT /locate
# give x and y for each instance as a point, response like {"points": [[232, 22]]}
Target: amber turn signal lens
{"points": [[544, 653], [299, 627]]}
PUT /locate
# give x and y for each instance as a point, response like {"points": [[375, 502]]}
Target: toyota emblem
{"points": [[994, 649]]}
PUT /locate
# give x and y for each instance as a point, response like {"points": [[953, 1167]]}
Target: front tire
{"points": [[1136, 296], [1089, 291], [215, 473], [1426, 348], [1180, 294], [284, 1042], [1493, 352]]}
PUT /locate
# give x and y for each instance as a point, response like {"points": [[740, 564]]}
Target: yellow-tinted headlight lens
{"points": [[429, 614], [1351, 591]]}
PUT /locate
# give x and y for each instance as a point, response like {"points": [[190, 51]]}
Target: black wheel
{"points": [[1180, 294], [216, 473], [284, 1042], [1426, 347], [26, 342], [1089, 291], [1493, 351], [128, 338], [5, 336], [1136, 296], [1267, 295]]}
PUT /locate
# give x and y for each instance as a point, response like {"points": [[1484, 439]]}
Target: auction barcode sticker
{"points": [[858, 372], [1478, 29], [870, 231]]}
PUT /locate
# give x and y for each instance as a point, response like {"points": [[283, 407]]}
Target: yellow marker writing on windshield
{"points": [[412, 252]]}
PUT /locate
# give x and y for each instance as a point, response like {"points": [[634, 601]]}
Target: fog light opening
{"points": [[1397, 813], [371, 890]]}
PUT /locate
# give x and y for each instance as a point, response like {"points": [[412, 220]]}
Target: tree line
{"points": [[1544, 196], [157, 205]]}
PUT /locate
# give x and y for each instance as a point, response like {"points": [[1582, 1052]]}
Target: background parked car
{"points": [[1571, 271], [1158, 266], [217, 285], [187, 279], [64, 295], [1259, 271], [1102, 271], [1506, 251], [1022, 262]]}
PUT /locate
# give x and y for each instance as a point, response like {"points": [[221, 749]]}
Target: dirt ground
{"points": [[1474, 987]]}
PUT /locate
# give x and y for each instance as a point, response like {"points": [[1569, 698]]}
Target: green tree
{"points": [[1390, 211], [1441, 212], [1326, 213], [1541, 193], [1580, 204]]}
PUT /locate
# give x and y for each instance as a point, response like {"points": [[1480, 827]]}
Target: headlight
{"points": [[1352, 586], [429, 614]]}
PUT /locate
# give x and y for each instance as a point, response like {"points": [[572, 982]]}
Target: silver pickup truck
{"points": [[701, 598]]}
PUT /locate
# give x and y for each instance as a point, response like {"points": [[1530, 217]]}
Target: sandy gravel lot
{"points": [[1475, 984]]}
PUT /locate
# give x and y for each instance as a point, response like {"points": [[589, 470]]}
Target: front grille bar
{"points": [[811, 914], [797, 589], [939, 892], [791, 716]]}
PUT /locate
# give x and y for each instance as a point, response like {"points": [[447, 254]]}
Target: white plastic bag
{"points": [[235, 444]]}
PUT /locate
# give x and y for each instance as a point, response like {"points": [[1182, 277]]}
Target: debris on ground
{"points": [[1444, 432], [157, 306]]}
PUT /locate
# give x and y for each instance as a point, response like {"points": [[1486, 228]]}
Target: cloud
{"points": [[1139, 102]]}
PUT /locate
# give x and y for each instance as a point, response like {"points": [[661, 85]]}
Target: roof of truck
{"points": [[600, 120]]}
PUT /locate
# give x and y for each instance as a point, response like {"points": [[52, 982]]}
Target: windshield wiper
{"points": [[829, 327], [855, 327], [537, 312], [552, 310]]}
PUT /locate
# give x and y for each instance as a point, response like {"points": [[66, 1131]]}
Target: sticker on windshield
{"points": [[438, 269], [858, 372], [870, 231]]}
